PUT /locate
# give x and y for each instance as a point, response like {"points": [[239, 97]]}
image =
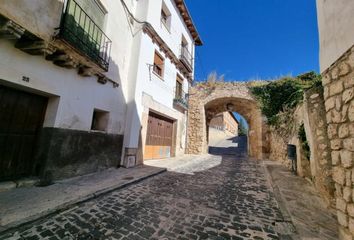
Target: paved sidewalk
{"points": [[302, 205], [21, 205]]}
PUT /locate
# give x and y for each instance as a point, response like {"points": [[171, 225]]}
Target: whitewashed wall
{"points": [[173, 37], [37, 16], [72, 97], [142, 79], [335, 21]]}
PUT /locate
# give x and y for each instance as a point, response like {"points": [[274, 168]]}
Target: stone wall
{"points": [[284, 134], [338, 82], [278, 148], [209, 99], [64, 153], [320, 160], [318, 167]]}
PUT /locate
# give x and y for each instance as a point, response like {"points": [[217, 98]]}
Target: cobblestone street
{"points": [[176, 120], [229, 201]]}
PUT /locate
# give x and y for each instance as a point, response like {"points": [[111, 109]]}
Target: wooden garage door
{"points": [[159, 137], [21, 117]]}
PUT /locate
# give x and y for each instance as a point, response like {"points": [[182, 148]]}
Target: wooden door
{"points": [[159, 137], [21, 117]]}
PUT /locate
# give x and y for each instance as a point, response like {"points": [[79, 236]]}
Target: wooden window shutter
{"points": [[179, 78], [158, 59], [179, 87], [158, 64]]}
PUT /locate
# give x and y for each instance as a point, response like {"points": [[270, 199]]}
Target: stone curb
{"points": [[277, 194], [71, 204], [281, 203]]}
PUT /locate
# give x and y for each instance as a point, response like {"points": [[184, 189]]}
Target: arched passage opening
{"points": [[208, 100], [227, 134], [246, 108]]}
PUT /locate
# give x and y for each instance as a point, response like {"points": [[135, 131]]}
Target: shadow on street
{"points": [[236, 146]]}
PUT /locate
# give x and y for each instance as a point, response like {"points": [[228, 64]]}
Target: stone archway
{"points": [[208, 99]]}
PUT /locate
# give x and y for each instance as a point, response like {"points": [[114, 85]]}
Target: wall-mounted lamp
{"points": [[230, 107]]}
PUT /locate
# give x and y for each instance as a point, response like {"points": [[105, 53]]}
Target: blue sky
{"points": [[255, 39]]}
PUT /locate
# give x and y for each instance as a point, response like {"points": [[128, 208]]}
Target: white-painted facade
{"points": [[72, 98], [133, 88], [76, 147], [335, 23], [148, 91]]}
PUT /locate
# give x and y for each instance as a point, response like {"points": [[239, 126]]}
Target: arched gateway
{"points": [[208, 99]]}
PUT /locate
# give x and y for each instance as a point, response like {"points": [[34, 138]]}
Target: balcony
{"points": [[181, 99], [186, 58], [82, 33]]}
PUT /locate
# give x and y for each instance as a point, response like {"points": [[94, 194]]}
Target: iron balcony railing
{"points": [[181, 98], [186, 58], [80, 31]]}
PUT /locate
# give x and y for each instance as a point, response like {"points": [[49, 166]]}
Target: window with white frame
{"points": [[165, 16]]}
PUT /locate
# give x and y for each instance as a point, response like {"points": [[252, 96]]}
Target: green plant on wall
{"points": [[310, 80], [284, 94], [276, 96], [304, 143], [242, 129]]}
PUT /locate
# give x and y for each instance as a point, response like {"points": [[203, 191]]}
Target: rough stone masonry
{"points": [[338, 82], [206, 100]]}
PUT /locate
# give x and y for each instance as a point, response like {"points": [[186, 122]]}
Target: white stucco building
{"points": [[161, 71], [78, 76], [335, 19], [63, 67]]}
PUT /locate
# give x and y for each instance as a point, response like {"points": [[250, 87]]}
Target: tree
{"points": [[242, 128]]}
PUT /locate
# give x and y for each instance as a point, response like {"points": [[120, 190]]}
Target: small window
{"points": [[165, 16], [100, 120], [184, 42], [158, 64], [179, 87]]}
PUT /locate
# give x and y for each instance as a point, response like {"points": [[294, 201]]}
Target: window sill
{"points": [[166, 27], [98, 131], [157, 75], [101, 6]]}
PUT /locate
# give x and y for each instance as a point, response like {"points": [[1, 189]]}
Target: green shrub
{"points": [[275, 96], [283, 94], [304, 143]]}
